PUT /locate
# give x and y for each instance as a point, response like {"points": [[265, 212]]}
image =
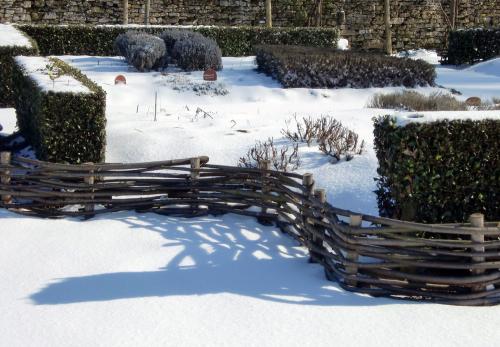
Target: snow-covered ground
{"points": [[127, 279]]}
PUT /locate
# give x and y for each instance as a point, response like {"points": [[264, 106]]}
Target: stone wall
{"points": [[416, 23]]}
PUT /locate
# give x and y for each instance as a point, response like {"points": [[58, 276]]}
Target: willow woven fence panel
{"points": [[453, 263]]}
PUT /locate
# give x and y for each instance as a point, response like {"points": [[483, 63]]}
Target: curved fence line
{"points": [[451, 263]]}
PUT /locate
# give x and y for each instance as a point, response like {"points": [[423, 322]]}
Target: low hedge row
{"points": [[313, 67], [434, 173], [62, 126], [7, 54], [472, 45], [233, 41]]}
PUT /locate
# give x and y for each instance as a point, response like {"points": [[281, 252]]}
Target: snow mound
{"points": [[36, 68], [423, 54], [343, 44], [7, 121], [490, 67], [10, 36]]}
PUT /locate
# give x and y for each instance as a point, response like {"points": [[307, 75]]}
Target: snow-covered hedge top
{"points": [[37, 69], [403, 119], [10, 36]]}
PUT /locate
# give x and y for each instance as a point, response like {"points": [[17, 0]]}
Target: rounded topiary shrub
{"points": [[197, 53], [171, 36], [143, 51]]}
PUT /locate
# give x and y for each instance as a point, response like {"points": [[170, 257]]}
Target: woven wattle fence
{"points": [[453, 264]]}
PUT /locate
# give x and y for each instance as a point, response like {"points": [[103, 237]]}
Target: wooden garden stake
{"points": [[5, 159], [477, 221], [352, 256]]}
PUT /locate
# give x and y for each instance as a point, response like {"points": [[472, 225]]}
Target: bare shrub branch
{"points": [[333, 138], [284, 158]]}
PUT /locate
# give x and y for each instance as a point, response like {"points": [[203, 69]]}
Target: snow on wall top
{"points": [[403, 119], [10, 36], [36, 68]]}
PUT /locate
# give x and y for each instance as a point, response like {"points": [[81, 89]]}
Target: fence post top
{"points": [[356, 220], [477, 220], [265, 164], [195, 161], [5, 156]]}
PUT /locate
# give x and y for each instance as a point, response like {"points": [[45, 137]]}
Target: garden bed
{"points": [[311, 67]]}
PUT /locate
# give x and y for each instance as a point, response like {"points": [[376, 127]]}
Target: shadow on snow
{"points": [[229, 254]]}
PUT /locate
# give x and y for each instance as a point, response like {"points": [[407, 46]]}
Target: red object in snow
{"points": [[120, 79], [210, 75]]}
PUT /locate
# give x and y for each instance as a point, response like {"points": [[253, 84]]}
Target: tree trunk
{"points": [[125, 12], [454, 13], [269, 14], [388, 34], [319, 12], [146, 12]]}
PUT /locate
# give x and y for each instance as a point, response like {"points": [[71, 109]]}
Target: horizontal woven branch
{"points": [[452, 263]]}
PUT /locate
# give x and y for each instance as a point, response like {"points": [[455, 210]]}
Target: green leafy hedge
{"points": [[438, 172], [233, 41], [472, 45], [318, 67], [62, 126], [7, 54]]}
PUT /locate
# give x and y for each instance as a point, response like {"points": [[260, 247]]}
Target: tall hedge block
{"points": [[438, 172], [7, 54], [62, 126], [469, 46]]}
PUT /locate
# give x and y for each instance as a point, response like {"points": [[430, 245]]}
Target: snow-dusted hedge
{"points": [[62, 126], [433, 172], [143, 51], [472, 45], [312, 67], [233, 41]]}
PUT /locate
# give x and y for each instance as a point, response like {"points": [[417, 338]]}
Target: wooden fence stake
{"points": [[265, 165], [477, 221], [308, 183], [352, 256], [90, 180], [5, 159], [195, 175], [319, 194]]}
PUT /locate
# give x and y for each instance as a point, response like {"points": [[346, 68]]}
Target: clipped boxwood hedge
{"points": [[318, 67], [7, 54], [233, 41], [438, 172], [472, 45], [62, 126]]}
